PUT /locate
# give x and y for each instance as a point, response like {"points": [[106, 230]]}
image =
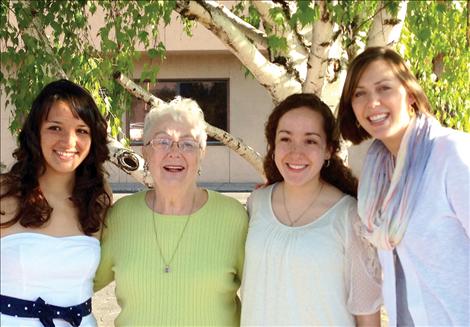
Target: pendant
{"points": [[167, 269]]}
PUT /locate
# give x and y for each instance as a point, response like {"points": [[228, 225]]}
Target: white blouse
{"points": [[321, 273]]}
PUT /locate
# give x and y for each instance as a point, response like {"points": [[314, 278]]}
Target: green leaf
{"points": [[153, 53], [92, 7], [277, 15], [277, 44]]}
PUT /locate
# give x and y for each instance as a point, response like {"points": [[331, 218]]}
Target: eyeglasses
{"points": [[164, 144]]}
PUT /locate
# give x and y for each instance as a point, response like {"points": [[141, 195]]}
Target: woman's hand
{"points": [[372, 320]]}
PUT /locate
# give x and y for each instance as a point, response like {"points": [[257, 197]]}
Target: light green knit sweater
{"points": [[206, 270]]}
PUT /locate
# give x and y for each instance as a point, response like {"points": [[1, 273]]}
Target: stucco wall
{"points": [[7, 141]]}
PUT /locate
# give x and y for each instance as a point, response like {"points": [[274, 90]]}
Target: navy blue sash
{"points": [[15, 307]]}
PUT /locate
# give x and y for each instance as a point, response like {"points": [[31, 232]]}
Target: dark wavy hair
{"points": [[336, 173], [21, 182], [348, 126]]}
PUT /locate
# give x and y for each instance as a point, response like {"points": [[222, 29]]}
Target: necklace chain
{"points": [[293, 222], [167, 263]]}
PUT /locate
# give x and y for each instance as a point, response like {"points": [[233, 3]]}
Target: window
{"points": [[211, 95]]}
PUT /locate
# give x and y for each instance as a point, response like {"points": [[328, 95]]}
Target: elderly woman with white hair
{"points": [[175, 251]]}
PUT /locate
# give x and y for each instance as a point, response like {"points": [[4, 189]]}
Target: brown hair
{"points": [[21, 182], [336, 173], [346, 119]]}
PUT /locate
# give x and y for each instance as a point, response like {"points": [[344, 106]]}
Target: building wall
{"points": [[7, 141]]}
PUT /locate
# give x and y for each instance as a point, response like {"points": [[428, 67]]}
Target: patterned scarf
{"points": [[389, 189]]}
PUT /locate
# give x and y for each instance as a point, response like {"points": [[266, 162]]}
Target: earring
{"points": [[357, 124], [327, 163], [146, 169], [199, 171], [272, 156]]}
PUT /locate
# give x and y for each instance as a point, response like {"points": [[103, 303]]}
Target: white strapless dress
{"points": [[60, 270]]}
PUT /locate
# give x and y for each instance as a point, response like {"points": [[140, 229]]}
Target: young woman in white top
{"points": [[52, 201], [304, 261], [414, 192]]}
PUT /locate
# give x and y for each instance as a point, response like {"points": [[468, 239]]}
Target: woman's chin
{"points": [[176, 179]]}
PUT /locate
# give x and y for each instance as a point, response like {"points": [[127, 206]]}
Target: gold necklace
{"points": [[167, 263], [292, 222]]}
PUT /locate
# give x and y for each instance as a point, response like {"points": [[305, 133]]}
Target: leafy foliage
{"points": [[87, 54], [434, 41]]}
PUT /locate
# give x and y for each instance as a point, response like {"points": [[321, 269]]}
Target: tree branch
{"points": [[237, 145], [296, 52], [322, 38], [386, 28], [257, 36], [275, 78], [36, 31], [136, 90]]}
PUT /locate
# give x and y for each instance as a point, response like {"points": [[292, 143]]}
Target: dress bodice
{"points": [[60, 270]]}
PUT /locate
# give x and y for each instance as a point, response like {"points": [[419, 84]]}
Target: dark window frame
{"points": [[210, 141]]}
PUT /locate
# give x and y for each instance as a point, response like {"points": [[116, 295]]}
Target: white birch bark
{"points": [[322, 38], [274, 77], [386, 28], [296, 52]]}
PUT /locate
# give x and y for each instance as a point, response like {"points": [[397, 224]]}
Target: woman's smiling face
{"points": [[300, 146], [382, 104], [178, 164], [65, 139]]}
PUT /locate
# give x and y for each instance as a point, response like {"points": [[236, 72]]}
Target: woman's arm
{"points": [[104, 274], [368, 320], [456, 152], [362, 274]]}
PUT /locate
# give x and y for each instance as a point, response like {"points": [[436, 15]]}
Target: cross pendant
{"points": [[167, 269]]}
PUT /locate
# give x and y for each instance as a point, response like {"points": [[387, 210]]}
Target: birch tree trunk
{"points": [[386, 27]]}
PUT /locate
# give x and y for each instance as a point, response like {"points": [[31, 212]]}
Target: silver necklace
{"points": [[293, 222], [167, 263]]}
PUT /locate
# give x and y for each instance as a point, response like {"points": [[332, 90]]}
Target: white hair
{"points": [[178, 109]]}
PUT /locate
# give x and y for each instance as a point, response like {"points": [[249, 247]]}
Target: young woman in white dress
{"points": [[305, 264], [53, 201], [414, 192]]}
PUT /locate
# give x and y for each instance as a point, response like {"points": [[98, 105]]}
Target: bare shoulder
{"points": [[331, 194]]}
